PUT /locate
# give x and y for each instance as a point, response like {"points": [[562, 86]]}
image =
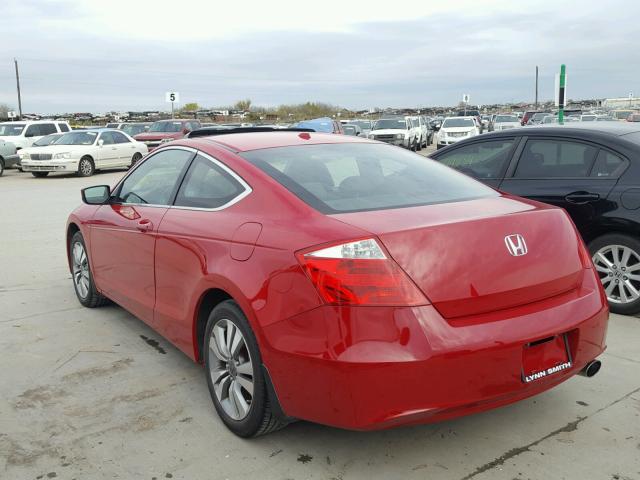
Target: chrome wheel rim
{"points": [[85, 167], [619, 270], [231, 369], [80, 270]]}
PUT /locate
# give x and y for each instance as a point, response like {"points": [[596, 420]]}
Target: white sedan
{"points": [[84, 152]]}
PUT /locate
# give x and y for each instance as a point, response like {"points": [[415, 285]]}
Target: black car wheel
{"points": [[233, 366], [86, 168], [83, 283], [1, 166], [617, 261], [135, 159]]}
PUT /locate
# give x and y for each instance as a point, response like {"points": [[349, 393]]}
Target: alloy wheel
{"points": [[80, 270], [231, 369], [86, 169], [618, 267]]}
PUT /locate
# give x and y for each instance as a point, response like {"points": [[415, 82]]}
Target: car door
{"points": [[484, 160], [123, 233], [193, 235], [565, 172], [125, 148], [107, 151]]}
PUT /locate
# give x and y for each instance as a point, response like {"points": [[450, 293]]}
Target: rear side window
{"points": [[483, 160], [63, 127], [608, 165], [555, 159], [206, 185], [119, 137], [47, 128], [348, 177]]}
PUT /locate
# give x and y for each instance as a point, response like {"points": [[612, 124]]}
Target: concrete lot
{"points": [[85, 396]]}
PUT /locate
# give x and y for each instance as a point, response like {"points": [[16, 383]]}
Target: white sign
{"points": [[171, 97], [466, 97], [11, 114]]}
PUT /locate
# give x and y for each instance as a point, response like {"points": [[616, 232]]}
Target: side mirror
{"points": [[98, 195], [100, 142]]}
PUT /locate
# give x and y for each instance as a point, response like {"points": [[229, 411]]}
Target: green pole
{"points": [[563, 71]]}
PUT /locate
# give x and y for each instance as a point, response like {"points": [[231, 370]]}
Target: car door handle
{"points": [[581, 198], [144, 225]]}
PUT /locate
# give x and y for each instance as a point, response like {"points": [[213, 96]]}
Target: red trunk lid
{"points": [[457, 253]]}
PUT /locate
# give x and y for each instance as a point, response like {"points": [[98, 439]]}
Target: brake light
{"points": [[359, 273]]}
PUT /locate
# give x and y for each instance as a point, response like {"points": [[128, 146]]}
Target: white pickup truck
{"points": [[402, 131]]}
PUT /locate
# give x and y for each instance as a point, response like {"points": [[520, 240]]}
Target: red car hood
{"points": [[141, 137], [458, 253]]}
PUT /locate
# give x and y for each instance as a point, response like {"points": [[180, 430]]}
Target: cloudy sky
{"points": [[85, 55]]}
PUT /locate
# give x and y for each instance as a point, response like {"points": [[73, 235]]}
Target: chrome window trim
{"points": [[245, 192]]}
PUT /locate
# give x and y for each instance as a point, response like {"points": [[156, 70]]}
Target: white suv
{"points": [[401, 131], [454, 129], [23, 134]]}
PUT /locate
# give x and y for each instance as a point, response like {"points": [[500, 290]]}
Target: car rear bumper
{"points": [[378, 367], [49, 165], [11, 160]]}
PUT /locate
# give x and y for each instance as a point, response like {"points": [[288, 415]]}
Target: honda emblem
{"points": [[516, 245]]}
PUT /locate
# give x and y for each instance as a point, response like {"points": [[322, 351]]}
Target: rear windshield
{"points": [[347, 177], [457, 122], [506, 118]]}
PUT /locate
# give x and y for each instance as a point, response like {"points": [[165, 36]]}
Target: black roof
{"points": [[584, 130]]}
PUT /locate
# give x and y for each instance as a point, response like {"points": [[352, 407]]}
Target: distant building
{"points": [[622, 102]]}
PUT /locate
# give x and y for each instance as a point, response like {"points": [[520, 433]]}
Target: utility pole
{"points": [[536, 87], [18, 85]]}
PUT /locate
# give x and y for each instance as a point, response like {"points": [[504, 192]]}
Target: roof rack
{"points": [[210, 131]]}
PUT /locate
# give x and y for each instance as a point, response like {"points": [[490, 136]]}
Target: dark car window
{"points": [[206, 185], [119, 137], [555, 159], [481, 160], [106, 138], [154, 181], [608, 165], [351, 177], [63, 127]]}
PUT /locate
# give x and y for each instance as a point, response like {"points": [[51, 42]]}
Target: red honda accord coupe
{"points": [[340, 280]]}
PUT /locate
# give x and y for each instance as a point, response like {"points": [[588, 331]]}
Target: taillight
{"points": [[359, 273]]}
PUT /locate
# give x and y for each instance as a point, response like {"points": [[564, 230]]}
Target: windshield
{"points": [[47, 140], [77, 138], [391, 123], [539, 116], [166, 127], [11, 129], [133, 129], [364, 124], [349, 129], [506, 118], [352, 177], [321, 126], [588, 118], [457, 122]]}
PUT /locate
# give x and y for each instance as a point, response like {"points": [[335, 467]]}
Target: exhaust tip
{"points": [[591, 368]]}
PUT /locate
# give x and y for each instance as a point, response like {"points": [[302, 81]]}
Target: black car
{"points": [[591, 170]]}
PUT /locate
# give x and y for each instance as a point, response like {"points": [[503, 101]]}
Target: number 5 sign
{"points": [[172, 97]]}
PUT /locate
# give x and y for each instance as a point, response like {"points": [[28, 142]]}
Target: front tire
{"points": [[39, 174], [86, 168], [233, 367], [617, 260], [83, 283], [1, 166]]}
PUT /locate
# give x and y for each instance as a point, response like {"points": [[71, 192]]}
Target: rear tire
{"points": [[39, 174], [616, 257], [83, 283], [135, 159], [234, 374], [86, 168], [1, 166]]}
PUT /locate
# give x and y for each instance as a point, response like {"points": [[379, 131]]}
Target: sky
{"points": [[97, 56]]}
